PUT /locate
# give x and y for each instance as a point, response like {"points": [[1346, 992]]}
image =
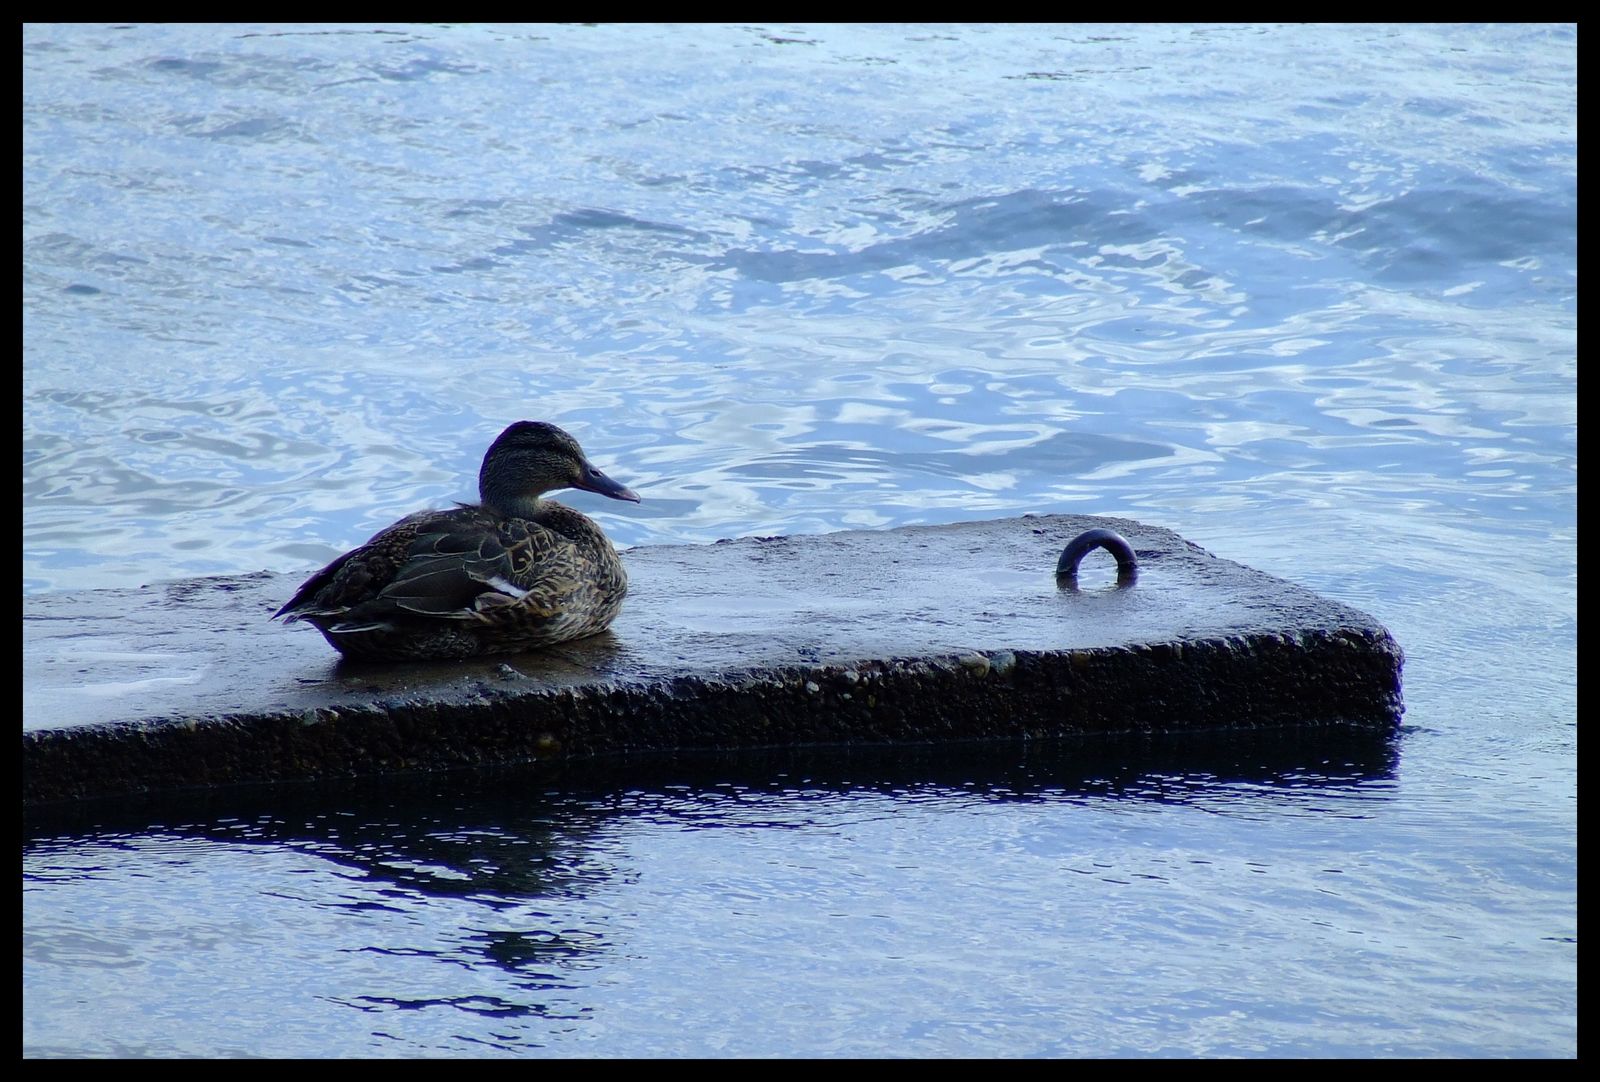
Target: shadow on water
{"points": [[520, 857], [520, 832]]}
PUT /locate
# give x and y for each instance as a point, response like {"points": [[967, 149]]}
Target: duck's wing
{"points": [[469, 569], [359, 575]]}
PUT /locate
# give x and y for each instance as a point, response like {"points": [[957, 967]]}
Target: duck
{"points": [[513, 572]]}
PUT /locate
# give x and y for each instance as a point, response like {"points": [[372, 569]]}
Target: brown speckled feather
{"points": [[472, 580], [464, 582]]}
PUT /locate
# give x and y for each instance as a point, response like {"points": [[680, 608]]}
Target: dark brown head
{"points": [[531, 458]]}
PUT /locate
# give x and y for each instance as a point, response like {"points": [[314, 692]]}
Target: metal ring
{"points": [[1087, 542]]}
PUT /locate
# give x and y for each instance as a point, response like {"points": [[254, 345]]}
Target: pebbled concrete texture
{"points": [[923, 634]]}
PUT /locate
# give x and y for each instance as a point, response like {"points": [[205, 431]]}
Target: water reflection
{"points": [[472, 900], [504, 836]]}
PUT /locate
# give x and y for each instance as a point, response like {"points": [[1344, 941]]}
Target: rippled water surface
{"points": [[1306, 295]]}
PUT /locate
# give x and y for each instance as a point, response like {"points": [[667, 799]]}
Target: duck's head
{"points": [[533, 457]]}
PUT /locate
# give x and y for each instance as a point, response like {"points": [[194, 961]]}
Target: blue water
{"points": [[1306, 295]]}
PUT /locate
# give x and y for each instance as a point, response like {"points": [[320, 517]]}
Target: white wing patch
{"points": [[513, 591]]}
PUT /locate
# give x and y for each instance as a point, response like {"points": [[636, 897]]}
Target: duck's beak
{"points": [[593, 480]]}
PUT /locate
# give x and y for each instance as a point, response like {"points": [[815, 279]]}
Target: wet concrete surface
{"points": [[924, 634]]}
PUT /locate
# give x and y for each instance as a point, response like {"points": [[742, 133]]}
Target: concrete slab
{"points": [[919, 634]]}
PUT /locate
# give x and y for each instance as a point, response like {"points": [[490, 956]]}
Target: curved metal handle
{"points": [[1088, 541]]}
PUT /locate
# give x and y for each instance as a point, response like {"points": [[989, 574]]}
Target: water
{"points": [[1306, 295]]}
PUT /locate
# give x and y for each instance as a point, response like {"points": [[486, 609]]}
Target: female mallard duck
{"points": [[512, 572]]}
